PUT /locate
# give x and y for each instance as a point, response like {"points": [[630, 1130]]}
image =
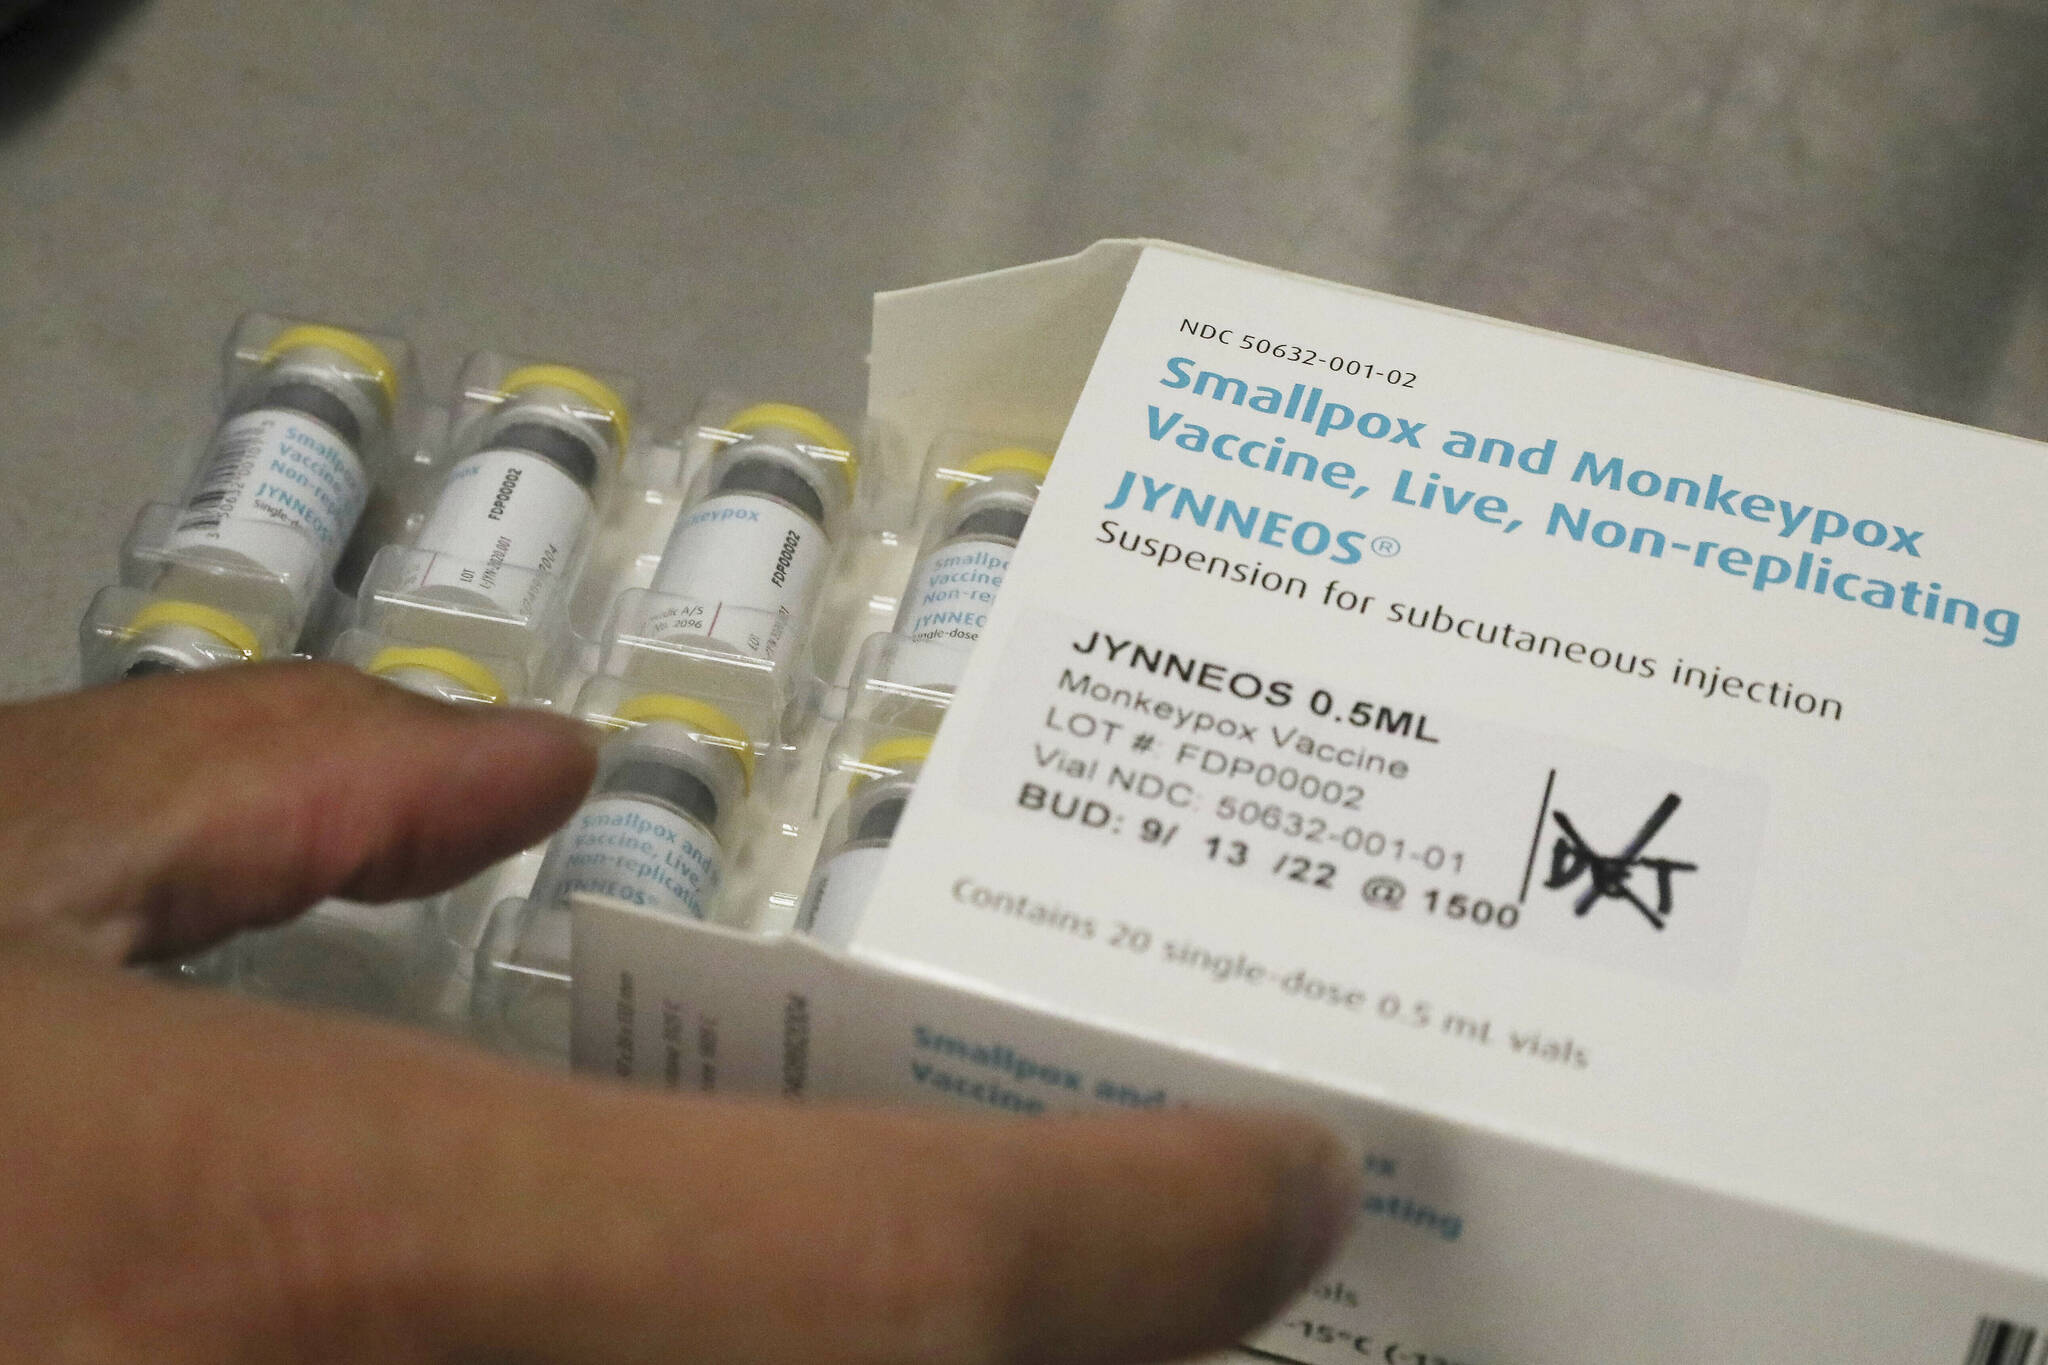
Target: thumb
{"points": [[266, 1186]]}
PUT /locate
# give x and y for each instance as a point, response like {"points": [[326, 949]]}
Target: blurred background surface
{"points": [[1847, 196]]}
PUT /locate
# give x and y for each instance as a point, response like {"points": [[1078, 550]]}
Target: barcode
{"points": [[1998, 1342], [214, 499], [201, 510]]}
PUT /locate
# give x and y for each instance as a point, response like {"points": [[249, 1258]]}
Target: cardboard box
{"points": [[1605, 785]]}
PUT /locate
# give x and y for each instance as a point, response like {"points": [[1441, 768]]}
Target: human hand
{"points": [[186, 1176]]}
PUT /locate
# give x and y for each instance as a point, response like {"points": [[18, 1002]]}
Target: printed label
{"points": [[642, 853], [280, 490], [748, 566], [1363, 797], [500, 510], [833, 909], [950, 594]]}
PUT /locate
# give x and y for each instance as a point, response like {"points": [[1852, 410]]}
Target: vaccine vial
{"points": [[969, 551], [509, 516], [749, 556], [283, 484], [444, 674], [850, 868], [649, 833]]}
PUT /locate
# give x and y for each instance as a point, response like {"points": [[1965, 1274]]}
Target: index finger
{"points": [[155, 815]]}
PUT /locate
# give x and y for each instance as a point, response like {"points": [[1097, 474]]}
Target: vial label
{"points": [[279, 490], [950, 594], [642, 853], [748, 565], [499, 510], [841, 893]]}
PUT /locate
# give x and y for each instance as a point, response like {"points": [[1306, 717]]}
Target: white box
{"points": [[1683, 1019]]}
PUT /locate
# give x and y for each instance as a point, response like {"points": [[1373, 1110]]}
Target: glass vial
{"points": [[851, 866], [510, 515], [969, 551], [749, 556], [649, 833], [263, 523]]}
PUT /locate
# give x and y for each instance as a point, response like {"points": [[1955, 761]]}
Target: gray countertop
{"points": [[1848, 196]]}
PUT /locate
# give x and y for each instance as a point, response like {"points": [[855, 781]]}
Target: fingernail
{"points": [[1320, 1203]]}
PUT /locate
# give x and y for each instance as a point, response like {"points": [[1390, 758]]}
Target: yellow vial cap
{"points": [[232, 630], [700, 717], [897, 751], [813, 427], [1006, 460], [360, 349], [588, 387], [461, 667]]}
